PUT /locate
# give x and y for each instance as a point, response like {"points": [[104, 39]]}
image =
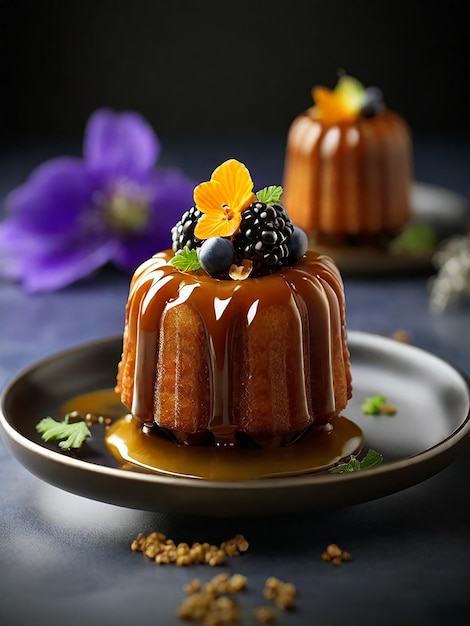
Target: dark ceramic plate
{"points": [[447, 212], [425, 435]]}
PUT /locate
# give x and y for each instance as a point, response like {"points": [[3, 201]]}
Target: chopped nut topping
{"points": [[218, 585], [241, 272], [264, 615], [203, 608], [271, 588], [283, 594], [334, 554], [157, 546], [237, 582], [210, 604], [192, 587]]}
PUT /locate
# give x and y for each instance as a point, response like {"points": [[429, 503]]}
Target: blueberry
{"points": [[216, 256], [373, 103], [297, 245]]}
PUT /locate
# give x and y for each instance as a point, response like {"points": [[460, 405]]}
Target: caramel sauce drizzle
{"points": [[311, 289], [149, 450]]}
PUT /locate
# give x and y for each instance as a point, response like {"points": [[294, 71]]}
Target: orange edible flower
{"points": [[342, 104], [222, 200], [330, 108]]}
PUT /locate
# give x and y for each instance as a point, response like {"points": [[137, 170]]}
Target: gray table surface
{"points": [[67, 560]]}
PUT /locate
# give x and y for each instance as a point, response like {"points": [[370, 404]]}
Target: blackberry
{"points": [[182, 234], [264, 231]]}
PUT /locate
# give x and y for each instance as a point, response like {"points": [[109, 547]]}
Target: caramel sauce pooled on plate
{"points": [[148, 449]]}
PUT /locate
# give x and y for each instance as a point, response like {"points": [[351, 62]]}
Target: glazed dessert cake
{"points": [[348, 166], [236, 337]]}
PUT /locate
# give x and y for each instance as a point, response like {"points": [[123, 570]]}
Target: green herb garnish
{"points": [[186, 260], [377, 405], [68, 434], [416, 238], [373, 405], [270, 195], [371, 459]]}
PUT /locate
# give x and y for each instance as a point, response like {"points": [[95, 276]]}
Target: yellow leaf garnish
{"points": [[343, 104], [222, 200]]}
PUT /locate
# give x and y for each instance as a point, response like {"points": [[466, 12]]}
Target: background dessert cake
{"points": [[348, 166]]}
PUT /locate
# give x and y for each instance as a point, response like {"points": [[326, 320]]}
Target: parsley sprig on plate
{"points": [[377, 405], [371, 459], [68, 434]]}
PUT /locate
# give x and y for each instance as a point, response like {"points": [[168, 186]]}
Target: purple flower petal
{"points": [[171, 194], [49, 263], [60, 269], [53, 198], [17, 248], [72, 216], [120, 145]]}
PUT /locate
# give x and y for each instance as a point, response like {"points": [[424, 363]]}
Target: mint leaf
{"points": [[371, 459], [186, 260], [351, 91], [373, 405], [377, 405], [353, 465], [69, 435], [270, 195], [416, 238]]}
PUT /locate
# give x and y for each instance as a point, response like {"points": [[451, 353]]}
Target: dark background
{"points": [[239, 67]]}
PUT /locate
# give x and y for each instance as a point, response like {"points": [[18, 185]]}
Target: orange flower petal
{"points": [[211, 197], [222, 199], [330, 108], [236, 180], [230, 185], [215, 225]]}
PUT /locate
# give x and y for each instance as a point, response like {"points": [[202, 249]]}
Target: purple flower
{"points": [[74, 215]]}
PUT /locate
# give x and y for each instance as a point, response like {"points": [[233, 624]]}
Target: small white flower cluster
{"points": [[451, 285]]}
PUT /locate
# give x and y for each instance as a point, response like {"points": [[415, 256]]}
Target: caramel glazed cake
{"points": [[236, 337], [348, 167]]}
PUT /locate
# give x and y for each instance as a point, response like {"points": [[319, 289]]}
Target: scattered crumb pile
{"points": [[213, 604], [334, 554], [283, 594], [157, 546]]}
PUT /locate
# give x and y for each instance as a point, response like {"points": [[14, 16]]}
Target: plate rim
{"points": [[354, 335], [455, 438]]}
